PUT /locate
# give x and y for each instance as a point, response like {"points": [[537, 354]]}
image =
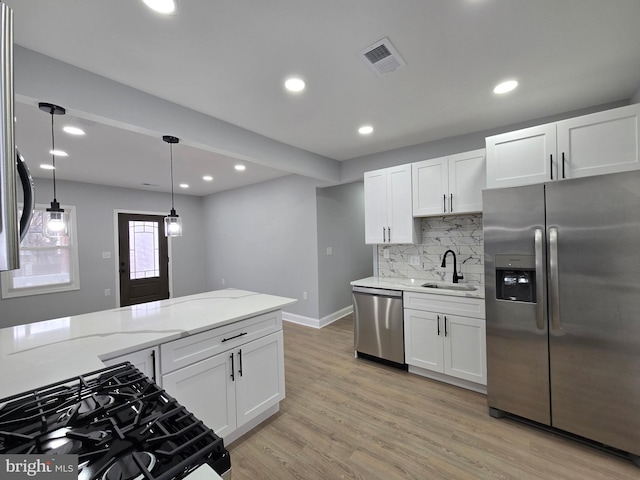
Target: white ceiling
{"points": [[228, 59]]}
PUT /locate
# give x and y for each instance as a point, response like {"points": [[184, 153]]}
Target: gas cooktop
{"points": [[120, 423]]}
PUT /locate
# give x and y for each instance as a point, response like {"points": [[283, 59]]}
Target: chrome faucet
{"points": [[456, 277]]}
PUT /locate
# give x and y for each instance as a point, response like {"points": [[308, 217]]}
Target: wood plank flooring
{"points": [[347, 418]]}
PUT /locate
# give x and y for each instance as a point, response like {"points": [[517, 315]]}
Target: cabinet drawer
{"points": [[188, 350], [464, 306]]}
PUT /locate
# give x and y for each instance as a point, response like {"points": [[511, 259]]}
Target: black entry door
{"points": [[143, 257]]}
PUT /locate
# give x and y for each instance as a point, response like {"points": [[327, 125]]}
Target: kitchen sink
{"points": [[450, 286]]}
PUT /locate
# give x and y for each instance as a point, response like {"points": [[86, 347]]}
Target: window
{"points": [[47, 264]]}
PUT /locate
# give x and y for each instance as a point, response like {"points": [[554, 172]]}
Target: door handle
{"points": [[551, 165], [451, 203], [384, 235], [438, 317], [233, 369], [554, 280], [445, 325], [539, 259], [240, 358], [389, 233], [444, 203], [563, 165]]}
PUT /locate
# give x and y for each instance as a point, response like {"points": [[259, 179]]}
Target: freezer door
{"points": [[595, 307], [517, 332]]}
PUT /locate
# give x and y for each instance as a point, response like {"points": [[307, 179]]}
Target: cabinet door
{"points": [[260, 376], [143, 360], [465, 349], [375, 206], [430, 187], [207, 390], [522, 157], [467, 179], [603, 142], [402, 226], [423, 339]]}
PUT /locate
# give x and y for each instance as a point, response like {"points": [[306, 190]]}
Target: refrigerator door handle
{"points": [[539, 280], [553, 278]]}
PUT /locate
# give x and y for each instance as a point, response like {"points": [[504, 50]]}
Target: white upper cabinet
{"points": [[449, 185], [522, 157], [388, 215], [603, 142]]}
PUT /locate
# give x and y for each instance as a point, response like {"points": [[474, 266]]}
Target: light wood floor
{"points": [[351, 418]]}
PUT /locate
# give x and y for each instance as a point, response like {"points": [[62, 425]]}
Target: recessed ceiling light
{"points": [[46, 166], [505, 87], [184, 185], [73, 130], [59, 153], [161, 6], [240, 168], [294, 84], [207, 178], [365, 130]]}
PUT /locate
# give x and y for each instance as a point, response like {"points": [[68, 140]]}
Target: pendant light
{"points": [[172, 222], [55, 219]]}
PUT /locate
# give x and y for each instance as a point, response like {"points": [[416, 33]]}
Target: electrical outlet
{"points": [[385, 253], [304, 295], [224, 282], [414, 260], [329, 250]]}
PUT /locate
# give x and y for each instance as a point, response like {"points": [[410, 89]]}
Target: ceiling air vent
{"points": [[382, 57]]}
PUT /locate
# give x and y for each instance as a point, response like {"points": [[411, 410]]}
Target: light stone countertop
{"points": [[415, 285], [38, 354]]}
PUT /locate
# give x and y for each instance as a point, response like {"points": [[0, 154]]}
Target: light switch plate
{"points": [[385, 253], [329, 250], [106, 255], [414, 260]]}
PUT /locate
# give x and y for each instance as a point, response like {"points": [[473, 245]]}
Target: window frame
{"points": [[6, 279]]}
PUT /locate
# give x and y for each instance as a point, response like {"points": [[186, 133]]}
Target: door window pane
{"points": [[144, 255]]}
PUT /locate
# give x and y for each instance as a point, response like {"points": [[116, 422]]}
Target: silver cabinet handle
{"points": [[539, 279], [554, 281], [384, 235]]}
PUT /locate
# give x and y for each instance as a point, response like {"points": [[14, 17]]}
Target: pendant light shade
{"points": [[172, 222], [55, 222]]}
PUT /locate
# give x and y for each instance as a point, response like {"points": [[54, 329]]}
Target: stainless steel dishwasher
{"points": [[378, 325]]}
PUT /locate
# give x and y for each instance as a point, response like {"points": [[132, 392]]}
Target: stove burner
{"points": [[125, 468], [61, 446], [86, 407]]}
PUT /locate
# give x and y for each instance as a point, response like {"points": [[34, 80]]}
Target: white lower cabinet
{"points": [[438, 339], [144, 360], [231, 388]]}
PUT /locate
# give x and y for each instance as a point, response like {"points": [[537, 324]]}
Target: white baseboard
{"points": [[314, 322], [458, 382]]}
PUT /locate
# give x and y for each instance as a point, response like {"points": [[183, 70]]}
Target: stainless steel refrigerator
{"points": [[562, 265]]}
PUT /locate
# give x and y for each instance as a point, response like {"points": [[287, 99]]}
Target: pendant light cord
{"points": [[171, 154], [53, 158]]}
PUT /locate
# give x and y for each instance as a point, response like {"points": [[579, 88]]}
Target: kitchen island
{"points": [[37, 354]]}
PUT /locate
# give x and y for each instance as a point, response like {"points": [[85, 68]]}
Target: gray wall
{"points": [[95, 207], [264, 238], [341, 227]]}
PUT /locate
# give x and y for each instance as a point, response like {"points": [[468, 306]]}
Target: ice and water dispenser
{"points": [[516, 278]]}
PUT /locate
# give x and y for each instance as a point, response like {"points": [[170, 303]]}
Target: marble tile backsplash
{"points": [[461, 233]]}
